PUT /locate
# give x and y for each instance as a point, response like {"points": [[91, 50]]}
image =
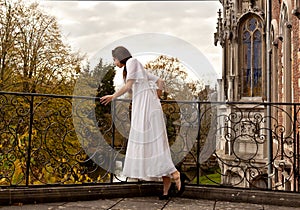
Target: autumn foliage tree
{"points": [[35, 59], [33, 56], [178, 84]]}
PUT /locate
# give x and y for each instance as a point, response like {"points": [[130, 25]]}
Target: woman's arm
{"points": [[160, 84], [108, 98]]}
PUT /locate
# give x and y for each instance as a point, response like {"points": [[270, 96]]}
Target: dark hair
{"points": [[125, 69], [122, 54]]}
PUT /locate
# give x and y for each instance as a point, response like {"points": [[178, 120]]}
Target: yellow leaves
{"points": [[34, 52], [52, 179], [88, 179], [63, 160], [23, 139], [176, 76], [3, 181], [37, 182], [99, 178], [47, 176], [18, 172]]}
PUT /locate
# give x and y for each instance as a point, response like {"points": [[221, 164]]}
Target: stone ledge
{"points": [[75, 193], [127, 190]]}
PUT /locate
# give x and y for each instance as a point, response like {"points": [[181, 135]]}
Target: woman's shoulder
{"points": [[133, 62]]}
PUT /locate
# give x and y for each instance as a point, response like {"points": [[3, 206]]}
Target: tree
{"points": [[105, 74], [178, 85], [33, 56], [8, 33]]}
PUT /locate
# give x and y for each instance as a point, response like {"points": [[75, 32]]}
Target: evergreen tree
{"points": [[105, 87]]}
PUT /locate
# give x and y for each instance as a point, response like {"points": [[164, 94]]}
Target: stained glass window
{"points": [[251, 58]]}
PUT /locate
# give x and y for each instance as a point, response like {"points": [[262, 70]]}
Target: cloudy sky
{"points": [[92, 26]]}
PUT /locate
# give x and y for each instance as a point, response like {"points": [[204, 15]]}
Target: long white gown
{"points": [[148, 153]]}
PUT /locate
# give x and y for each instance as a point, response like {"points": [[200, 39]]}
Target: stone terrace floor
{"points": [[146, 203]]}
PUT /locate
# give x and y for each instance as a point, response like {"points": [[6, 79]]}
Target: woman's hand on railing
{"points": [[106, 99]]}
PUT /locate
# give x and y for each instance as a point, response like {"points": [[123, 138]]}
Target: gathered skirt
{"points": [[148, 153]]}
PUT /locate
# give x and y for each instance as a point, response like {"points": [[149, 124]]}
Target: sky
{"points": [[183, 29]]}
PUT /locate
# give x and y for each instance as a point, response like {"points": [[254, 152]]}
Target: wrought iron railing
{"points": [[72, 140]]}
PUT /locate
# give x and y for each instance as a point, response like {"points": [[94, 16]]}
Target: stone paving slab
{"points": [[189, 204], [96, 204], [79, 205], [147, 203], [280, 208], [138, 203], [220, 205]]}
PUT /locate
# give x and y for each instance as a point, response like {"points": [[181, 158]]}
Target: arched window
{"points": [[251, 57]]}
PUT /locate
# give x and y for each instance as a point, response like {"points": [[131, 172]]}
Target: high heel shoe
{"points": [[183, 177], [164, 197]]}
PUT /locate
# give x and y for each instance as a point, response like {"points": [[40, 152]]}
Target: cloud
{"points": [[90, 26]]}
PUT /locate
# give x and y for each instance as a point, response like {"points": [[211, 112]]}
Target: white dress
{"points": [[148, 153]]}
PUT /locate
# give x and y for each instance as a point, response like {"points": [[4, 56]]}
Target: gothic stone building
{"points": [[261, 58]]}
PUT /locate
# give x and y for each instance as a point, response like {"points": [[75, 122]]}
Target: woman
{"points": [[148, 154]]}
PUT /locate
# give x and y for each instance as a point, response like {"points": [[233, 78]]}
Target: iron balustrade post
{"points": [[113, 104], [294, 149], [198, 143], [269, 76], [281, 156], [31, 113], [298, 163]]}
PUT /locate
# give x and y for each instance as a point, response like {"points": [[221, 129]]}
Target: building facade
{"points": [[260, 40]]}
